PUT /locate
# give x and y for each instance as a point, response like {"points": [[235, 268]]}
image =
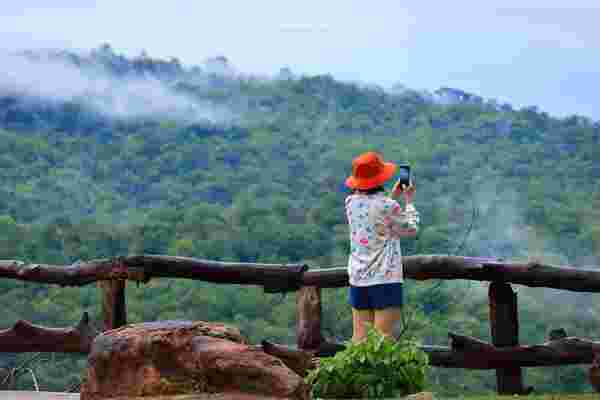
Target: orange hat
{"points": [[369, 171]]}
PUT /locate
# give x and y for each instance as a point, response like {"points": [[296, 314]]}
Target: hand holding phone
{"points": [[404, 184], [408, 193]]}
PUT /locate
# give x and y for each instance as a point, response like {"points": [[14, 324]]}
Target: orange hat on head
{"points": [[369, 171]]}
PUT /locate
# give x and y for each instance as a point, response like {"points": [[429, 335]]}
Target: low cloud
{"points": [[58, 81]]}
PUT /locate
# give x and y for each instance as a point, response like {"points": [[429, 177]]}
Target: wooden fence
{"points": [[504, 354]]}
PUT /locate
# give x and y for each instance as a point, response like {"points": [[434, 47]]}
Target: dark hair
{"points": [[370, 191]]}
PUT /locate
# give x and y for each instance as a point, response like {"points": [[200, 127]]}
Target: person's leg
{"points": [[361, 311], [386, 320], [359, 329], [387, 300]]}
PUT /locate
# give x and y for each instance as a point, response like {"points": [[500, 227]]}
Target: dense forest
{"points": [[234, 167]]}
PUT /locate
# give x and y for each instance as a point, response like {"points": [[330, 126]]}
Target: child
{"points": [[376, 222]]}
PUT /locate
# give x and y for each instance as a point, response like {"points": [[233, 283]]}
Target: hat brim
{"points": [[389, 169]]}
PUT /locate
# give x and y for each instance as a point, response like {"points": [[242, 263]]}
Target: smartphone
{"points": [[404, 175]]}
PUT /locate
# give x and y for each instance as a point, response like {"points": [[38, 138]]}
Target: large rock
{"points": [[183, 357], [205, 396]]}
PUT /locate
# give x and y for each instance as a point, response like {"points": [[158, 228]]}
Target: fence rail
{"points": [[290, 277], [504, 353]]}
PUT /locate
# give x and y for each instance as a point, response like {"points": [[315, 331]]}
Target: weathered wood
{"points": [[114, 310], [504, 325], [78, 274], [566, 351], [297, 360], [273, 277], [25, 337], [470, 353], [468, 343], [290, 277], [308, 306], [594, 373], [425, 267], [328, 349]]}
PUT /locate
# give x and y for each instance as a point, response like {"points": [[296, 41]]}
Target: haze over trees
{"points": [[101, 155]]}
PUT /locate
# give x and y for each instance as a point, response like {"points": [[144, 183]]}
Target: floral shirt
{"points": [[375, 254]]}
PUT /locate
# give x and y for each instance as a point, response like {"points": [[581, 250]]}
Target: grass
{"points": [[552, 396]]}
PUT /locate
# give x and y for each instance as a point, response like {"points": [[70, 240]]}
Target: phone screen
{"points": [[404, 174]]}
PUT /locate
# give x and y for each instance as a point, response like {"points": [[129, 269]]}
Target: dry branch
{"points": [[298, 361], [35, 382], [468, 352], [25, 337]]}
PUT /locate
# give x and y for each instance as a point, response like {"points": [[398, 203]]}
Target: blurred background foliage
{"points": [[268, 187]]}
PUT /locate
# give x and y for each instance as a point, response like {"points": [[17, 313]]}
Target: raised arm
{"points": [[404, 222]]}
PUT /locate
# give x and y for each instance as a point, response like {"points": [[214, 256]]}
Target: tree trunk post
{"points": [[113, 303], [308, 305], [504, 324]]}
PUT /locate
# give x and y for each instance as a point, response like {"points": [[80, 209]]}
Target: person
{"points": [[377, 222]]}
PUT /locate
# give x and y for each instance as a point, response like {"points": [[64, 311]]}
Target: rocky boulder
{"points": [[169, 358]]}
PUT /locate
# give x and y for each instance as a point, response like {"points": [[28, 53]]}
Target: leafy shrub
{"points": [[374, 368]]}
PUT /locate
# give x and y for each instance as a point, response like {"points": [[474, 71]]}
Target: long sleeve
{"points": [[400, 219]]}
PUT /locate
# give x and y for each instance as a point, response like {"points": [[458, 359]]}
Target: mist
{"points": [[52, 80], [500, 230]]}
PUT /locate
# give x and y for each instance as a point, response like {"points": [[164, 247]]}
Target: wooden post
{"points": [[504, 324], [308, 305], [113, 303], [594, 373]]}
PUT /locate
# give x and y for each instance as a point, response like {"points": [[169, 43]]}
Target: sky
{"points": [[527, 52]]}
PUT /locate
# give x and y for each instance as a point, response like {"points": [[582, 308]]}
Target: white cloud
{"points": [[58, 81]]}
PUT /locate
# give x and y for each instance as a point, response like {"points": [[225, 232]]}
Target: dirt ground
{"points": [[23, 395]]}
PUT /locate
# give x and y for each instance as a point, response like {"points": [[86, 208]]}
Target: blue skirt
{"points": [[376, 296]]}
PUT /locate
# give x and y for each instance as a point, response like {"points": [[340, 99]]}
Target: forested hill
{"points": [[103, 155]]}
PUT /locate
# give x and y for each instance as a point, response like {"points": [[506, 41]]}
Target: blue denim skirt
{"points": [[376, 296]]}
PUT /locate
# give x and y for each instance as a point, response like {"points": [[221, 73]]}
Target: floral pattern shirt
{"points": [[375, 223]]}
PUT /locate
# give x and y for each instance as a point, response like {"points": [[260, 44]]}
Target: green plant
{"points": [[374, 368]]}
